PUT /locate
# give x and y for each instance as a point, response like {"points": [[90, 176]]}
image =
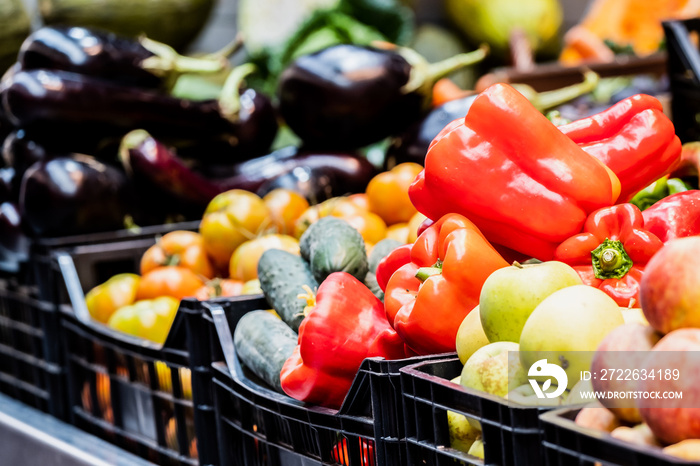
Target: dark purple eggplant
{"points": [[349, 96], [20, 152], [73, 195], [7, 183], [45, 97], [412, 144], [145, 158], [14, 244], [93, 52], [315, 184]]}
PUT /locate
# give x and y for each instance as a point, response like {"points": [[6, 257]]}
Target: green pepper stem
{"points": [[610, 260], [424, 273]]}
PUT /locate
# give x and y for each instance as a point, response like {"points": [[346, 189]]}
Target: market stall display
{"points": [[382, 262]]}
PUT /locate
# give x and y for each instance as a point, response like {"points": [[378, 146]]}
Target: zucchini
{"points": [[283, 277], [175, 22], [15, 26], [379, 252], [263, 344], [332, 245]]}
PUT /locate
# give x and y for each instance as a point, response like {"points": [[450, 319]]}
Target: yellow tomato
{"points": [[413, 226], [149, 319], [103, 300], [285, 207], [251, 287], [232, 218], [387, 193], [398, 231], [370, 225], [244, 261]]}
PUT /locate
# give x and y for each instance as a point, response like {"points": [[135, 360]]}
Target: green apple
{"points": [[633, 314], [525, 395], [567, 327], [490, 369], [576, 394], [470, 335], [477, 449], [510, 294], [462, 433]]}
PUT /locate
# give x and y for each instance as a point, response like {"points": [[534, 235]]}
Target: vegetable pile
{"points": [[379, 209]]}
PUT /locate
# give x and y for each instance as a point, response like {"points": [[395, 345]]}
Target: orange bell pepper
{"points": [[427, 299]]}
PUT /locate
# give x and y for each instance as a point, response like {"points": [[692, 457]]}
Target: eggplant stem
{"points": [[131, 140], [550, 99], [230, 100], [166, 60], [227, 50], [424, 74], [443, 68]]}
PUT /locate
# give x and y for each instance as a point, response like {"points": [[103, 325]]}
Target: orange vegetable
{"points": [[387, 193], [446, 90], [174, 281], [183, 248], [625, 22]]}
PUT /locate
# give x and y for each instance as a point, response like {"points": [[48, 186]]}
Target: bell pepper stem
{"points": [[610, 260], [424, 273]]}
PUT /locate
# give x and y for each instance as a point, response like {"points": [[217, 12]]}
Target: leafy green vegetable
{"points": [[358, 22], [658, 190]]}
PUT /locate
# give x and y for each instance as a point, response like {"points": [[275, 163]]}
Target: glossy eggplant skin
{"points": [[14, 244], [39, 98], [412, 144], [149, 160], [347, 96], [20, 151], [7, 183], [87, 51], [73, 195], [316, 184]]}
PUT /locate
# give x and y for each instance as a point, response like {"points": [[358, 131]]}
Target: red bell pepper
{"points": [[508, 169], [611, 252], [427, 299], [346, 325], [633, 138], [391, 263], [675, 216]]}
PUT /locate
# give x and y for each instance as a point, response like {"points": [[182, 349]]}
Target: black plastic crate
{"points": [[568, 444], [512, 433], [32, 367], [258, 426], [153, 400], [26, 373], [683, 66]]}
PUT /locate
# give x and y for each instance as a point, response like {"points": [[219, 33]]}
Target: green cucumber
{"points": [[379, 252], [283, 277], [332, 245], [263, 343]]}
